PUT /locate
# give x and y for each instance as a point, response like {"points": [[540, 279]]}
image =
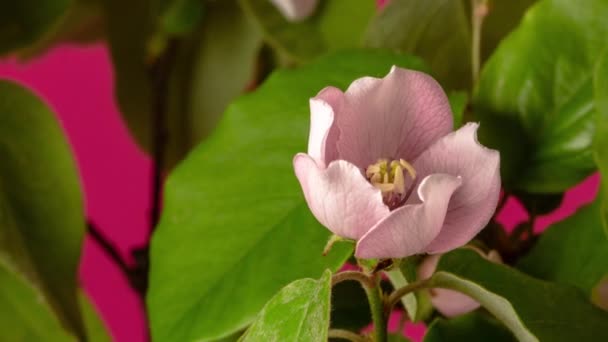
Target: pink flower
{"points": [[295, 10], [451, 303], [384, 167]]}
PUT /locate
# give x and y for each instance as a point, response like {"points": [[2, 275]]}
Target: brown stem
{"points": [[395, 297], [352, 275]]}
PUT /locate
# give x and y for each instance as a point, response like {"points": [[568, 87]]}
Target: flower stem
{"points": [[395, 297], [479, 10], [376, 306], [346, 335]]}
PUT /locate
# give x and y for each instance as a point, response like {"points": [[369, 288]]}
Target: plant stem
{"points": [[479, 10], [352, 275], [376, 306], [395, 297], [346, 335]]}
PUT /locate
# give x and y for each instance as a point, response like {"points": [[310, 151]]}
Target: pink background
{"points": [[77, 83]]}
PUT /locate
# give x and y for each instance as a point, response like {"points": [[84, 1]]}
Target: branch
{"points": [[395, 297], [110, 250], [346, 335]]}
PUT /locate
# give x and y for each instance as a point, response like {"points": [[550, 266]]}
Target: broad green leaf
{"points": [[600, 141], [550, 311], [24, 316], [336, 24], [41, 210], [471, 327], [534, 97], [214, 66], [25, 21], [573, 251], [458, 102], [299, 312], [235, 227], [437, 31]]}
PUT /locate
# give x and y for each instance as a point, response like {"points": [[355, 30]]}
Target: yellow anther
{"points": [[399, 180], [388, 176], [407, 166]]}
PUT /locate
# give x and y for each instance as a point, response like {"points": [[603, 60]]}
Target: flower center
{"points": [[388, 176]]}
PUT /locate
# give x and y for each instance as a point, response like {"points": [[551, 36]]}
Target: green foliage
{"points": [[471, 327], [550, 311], [573, 251], [234, 213], [600, 142], [336, 24], [41, 211], [299, 312], [534, 98], [437, 31], [458, 102], [23, 22]]}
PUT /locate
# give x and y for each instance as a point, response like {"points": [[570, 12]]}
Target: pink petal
{"points": [[339, 196], [295, 10], [409, 229], [323, 129], [450, 303], [474, 203], [398, 116]]}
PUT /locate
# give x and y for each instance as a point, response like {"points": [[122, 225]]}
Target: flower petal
{"points": [[398, 116], [295, 10], [339, 196], [474, 203], [323, 129], [409, 229]]}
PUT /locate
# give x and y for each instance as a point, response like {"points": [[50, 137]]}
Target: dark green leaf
{"points": [[470, 327], [573, 251], [235, 227], [397, 338], [41, 210], [96, 330], [214, 66], [299, 312], [336, 24], [437, 31], [535, 95], [552, 312], [182, 16], [23, 22], [600, 142]]}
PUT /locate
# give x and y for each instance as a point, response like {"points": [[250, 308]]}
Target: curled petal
{"points": [[408, 230], [295, 10], [323, 129], [339, 196], [474, 203], [398, 116]]}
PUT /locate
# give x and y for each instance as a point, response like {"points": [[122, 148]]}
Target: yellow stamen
{"points": [[389, 178]]}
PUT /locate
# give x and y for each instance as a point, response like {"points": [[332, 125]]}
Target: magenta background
{"points": [[77, 82]]}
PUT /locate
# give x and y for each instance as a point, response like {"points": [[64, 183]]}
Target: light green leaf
{"points": [[458, 102], [235, 227], [41, 211], [534, 97], [600, 141], [532, 309], [573, 251], [214, 66], [336, 24], [23, 22], [299, 312], [437, 31], [471, 327], [96, 329]]}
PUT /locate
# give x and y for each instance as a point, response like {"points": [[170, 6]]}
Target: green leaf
{"points": [[549, 311], [437, 31], [471, 327], [96, 330], [235, 227], [573, 251], [397, 338], [214, 66], [299, 312], [458, 102], [23, 316], [41, 210], [182, 16], [23, 22], [600, 141], [534, 98], [336, 24]]}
